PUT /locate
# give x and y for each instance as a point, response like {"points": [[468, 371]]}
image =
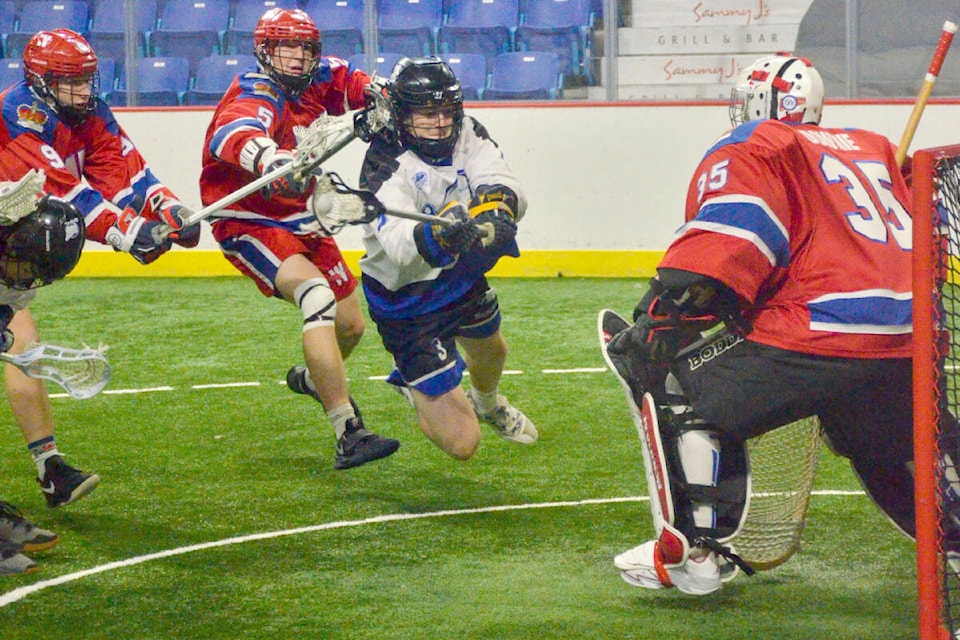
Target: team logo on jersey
{"points": [[31, 117], [421, 181], [264, 89]]}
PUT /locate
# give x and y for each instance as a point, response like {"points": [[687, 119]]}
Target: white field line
{"points": [[228, 385], [20, 593]]}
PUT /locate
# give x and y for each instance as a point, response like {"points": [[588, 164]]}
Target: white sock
{"points": [[484, 402], [339, 416]]}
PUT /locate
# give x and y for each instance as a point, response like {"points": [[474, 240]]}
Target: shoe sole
{"points": [[33, 547], [386, 448], [79, 491]]}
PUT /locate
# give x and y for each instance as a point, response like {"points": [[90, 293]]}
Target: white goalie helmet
{"points": [[778, 87]]}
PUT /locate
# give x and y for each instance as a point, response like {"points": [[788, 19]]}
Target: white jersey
{"points": [[398, 282]]}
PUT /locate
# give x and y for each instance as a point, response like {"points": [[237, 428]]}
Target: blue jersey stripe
{"points": [[753, 221], [862, 313]]}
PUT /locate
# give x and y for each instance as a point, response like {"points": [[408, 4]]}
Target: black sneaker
{"points": [[297, 382], [16, 529], [358, 446], [62, 484], [12, 561]]}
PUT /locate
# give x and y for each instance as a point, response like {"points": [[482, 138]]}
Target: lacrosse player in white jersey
{"points": [[41, 238], [425, 283]]}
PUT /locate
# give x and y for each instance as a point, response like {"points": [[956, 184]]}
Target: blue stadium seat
{"points": [[191, 29], [246, 14], [524, 75], [340, 23], [107, 70], [471, 71], [162, 82], [214, 76], [8, 20], [409, 26], [559, 26], [107, 30], [11, 71], [385, 62], [480, 26], [43, 15]]}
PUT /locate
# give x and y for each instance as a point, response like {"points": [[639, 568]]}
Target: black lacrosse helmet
{"points": [[42, 247], [425, 83]]}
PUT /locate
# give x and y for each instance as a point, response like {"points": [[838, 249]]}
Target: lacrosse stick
{"points": [[946, 37], [19, 199], [336, 205], [319, 142], [82, 373]]}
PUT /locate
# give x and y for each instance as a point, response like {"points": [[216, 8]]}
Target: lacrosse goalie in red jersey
{"points": [[270, 236], [54, 123], [798, 243]]}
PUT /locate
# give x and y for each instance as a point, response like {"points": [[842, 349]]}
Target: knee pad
{"points": [[317, 303]]}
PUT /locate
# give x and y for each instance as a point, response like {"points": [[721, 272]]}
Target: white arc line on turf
{"points": [[22, 592]]}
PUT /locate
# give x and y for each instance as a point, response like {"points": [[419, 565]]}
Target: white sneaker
{"points": [[508, 421], [642, 567]]}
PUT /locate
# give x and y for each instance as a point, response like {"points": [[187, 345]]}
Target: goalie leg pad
{"points": [[317, 303], [699, 482]]}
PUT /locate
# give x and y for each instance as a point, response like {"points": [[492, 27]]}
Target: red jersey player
{"points": [[798, 238], [53, 121], [267, 236], [53, 125]]}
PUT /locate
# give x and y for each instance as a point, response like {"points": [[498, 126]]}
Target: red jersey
{"points": [[94, 164], [810, 226], [254, 106]]}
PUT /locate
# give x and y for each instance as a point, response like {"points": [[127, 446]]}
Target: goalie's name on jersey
{"points": [[839, 141]]}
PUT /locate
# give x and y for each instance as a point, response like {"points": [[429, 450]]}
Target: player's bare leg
{"points": [[33, 412], [449, 422], [485, 358], [299, 281]]}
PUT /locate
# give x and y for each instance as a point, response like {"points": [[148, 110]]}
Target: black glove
{"points": [[6, 336], [459, 237], [173, 216], [500, 231], [497, 196]]}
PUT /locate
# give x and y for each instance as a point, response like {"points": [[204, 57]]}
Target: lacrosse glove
{"points": [[6, 336], [137, 236], [173, 217], [440, 245], [494, 208]]}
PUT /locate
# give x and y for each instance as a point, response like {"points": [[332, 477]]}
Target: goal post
{"points": [[936, 329]]}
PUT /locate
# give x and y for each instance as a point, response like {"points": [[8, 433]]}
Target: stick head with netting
{"points": [[82, 373]]}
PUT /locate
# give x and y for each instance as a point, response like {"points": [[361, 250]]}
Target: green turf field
{"points": [[220, 514]]}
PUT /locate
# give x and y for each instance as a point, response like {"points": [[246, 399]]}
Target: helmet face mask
{"points": [[61, 67], [42, 247], [287, 46], [778, 87], [427, 103]]}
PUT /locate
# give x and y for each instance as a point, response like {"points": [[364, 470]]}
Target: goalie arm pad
{"points": [[678, 306]]}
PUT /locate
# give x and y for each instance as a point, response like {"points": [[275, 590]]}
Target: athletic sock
{"points": [[41, 450], [484, 402], [339, 416]]}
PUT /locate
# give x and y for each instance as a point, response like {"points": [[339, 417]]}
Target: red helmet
{"points": [[287, 26], [60, 53]]}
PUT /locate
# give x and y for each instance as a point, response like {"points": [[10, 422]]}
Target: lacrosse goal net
{"points": [[936, 329]]}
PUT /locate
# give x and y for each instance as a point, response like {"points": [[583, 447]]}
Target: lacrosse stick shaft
{"points": [[946, 37], [303, 167], [421, 217]]}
